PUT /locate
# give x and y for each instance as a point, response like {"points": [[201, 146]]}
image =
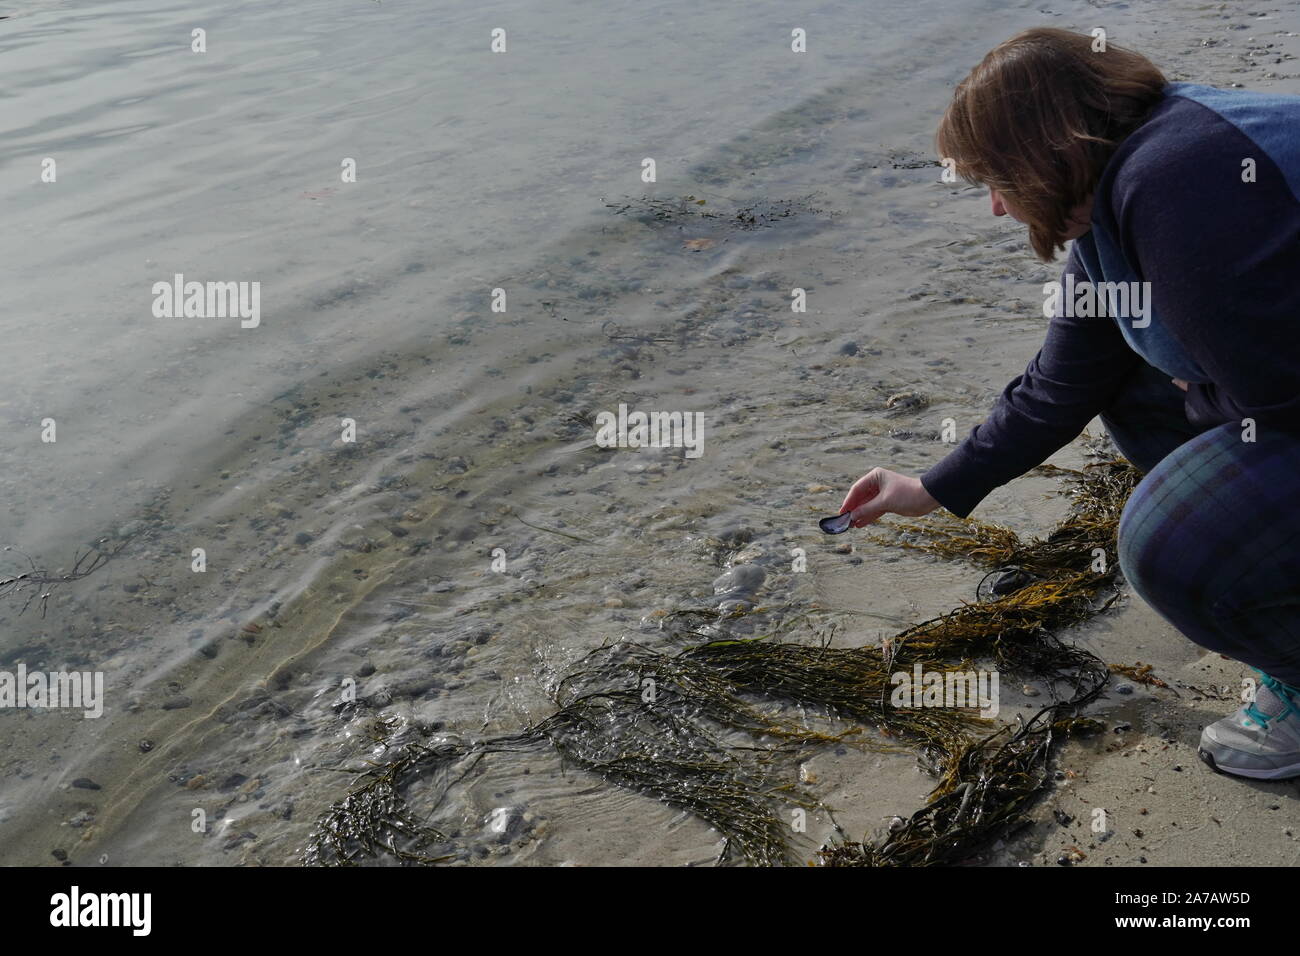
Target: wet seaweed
{"points": [[650, 738], [707, 728], [989, 784], [38, 583], [1140, 673], [731, 213]]}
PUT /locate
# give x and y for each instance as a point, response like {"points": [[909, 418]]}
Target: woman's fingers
{"points": [[868, 499], [881, 491], [1180, 383], [870, 512], [863, 490]]}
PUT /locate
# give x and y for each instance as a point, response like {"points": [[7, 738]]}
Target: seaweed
{"points": [[39, 583], [1140, 673], [757, 214], [706, 728]]}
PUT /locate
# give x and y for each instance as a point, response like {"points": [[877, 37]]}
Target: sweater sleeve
{"points": [[1075, 375], [1222, 257]]}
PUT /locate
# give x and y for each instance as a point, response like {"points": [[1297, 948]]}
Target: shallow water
{"points": [[376, 561]]}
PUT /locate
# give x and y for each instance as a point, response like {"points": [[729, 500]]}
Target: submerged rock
{"points": [[905, 400], [742, 580], [736, 535]]}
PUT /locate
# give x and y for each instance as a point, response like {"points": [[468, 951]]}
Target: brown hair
{"points": [[1038, 119]]}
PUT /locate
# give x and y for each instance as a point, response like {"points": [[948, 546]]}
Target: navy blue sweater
{"points": [[1176, 208]]}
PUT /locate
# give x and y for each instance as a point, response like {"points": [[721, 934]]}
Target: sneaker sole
{"points": [[1282, 773]]}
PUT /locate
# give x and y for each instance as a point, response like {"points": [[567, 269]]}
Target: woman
{"points": [[1187, 195]]}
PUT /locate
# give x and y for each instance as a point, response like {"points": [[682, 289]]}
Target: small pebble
{"points": [[232, 782], [906, 400]]}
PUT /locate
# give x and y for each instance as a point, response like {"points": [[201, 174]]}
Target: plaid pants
{"points": [[1211, 536]]}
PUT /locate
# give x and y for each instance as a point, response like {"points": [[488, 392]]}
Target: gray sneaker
{"points": [[1262, 740]]}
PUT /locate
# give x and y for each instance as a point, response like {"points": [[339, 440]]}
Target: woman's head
{"points": [[1037, 120]]}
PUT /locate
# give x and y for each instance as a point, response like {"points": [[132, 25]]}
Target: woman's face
{"points": [[1080, 216], [1001, 207]]}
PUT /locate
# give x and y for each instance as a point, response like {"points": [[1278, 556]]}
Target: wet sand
{"points": [[374, 562]]}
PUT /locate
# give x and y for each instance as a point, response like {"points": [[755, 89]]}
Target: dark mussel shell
{"points": [[838, 524]]}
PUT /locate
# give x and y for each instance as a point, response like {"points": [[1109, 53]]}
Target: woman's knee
{"points": [[1152, 555], [1138, 545], [1195, 522]]}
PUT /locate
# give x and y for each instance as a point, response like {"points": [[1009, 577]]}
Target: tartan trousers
{"points": [[1210, 538]]}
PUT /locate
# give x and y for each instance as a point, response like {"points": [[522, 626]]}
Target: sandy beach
{"points": [[452, 565]]}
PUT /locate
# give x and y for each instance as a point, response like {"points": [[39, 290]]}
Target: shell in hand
{"points": [[838, 524]]}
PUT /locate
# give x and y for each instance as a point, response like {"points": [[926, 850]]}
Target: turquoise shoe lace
{"points": [[1282, 691]]}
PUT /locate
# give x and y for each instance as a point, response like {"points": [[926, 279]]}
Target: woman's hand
{"points": [[1180, 383], [881, 492]]}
